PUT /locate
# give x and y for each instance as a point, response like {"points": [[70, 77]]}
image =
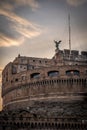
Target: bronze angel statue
{"points": [[57, 44]]}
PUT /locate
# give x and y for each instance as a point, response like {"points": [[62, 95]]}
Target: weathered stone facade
{"points": [[53, 91], [24, 120]]}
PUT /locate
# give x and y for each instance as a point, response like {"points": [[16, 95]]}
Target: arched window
{"points": [[72, 72], [35, 75], [53, 73]]}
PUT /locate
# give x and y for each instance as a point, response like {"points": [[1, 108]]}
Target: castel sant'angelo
{"points": [[46, 94]]}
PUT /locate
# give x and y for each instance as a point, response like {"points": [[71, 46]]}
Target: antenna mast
{"points": [[69, 33]]}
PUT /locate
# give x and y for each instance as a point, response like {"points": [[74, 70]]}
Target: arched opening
{"points": [[72, 72], [20, 117], [35, 75], [53, 73], [32, 125], [36, 125]]}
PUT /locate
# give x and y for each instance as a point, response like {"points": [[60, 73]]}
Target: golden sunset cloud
{"points": [[7, 41]]}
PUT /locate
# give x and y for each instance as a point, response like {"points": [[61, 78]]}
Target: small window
{"points": [[16, 80], [76, 64], [33, 60], [53, 73], [39, 61], [35, 75], [11, 81]]}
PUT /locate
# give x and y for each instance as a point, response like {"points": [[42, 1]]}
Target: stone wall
{"points": [[24, 120], [22, 86]]}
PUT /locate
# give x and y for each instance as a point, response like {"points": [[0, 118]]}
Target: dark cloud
{"points": [[8, 35], [6, 28]]}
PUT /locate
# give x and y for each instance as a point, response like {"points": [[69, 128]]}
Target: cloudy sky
{"points": [[29, 27]]}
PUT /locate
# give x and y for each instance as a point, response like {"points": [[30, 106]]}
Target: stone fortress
{"points": [[46, 91]]}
